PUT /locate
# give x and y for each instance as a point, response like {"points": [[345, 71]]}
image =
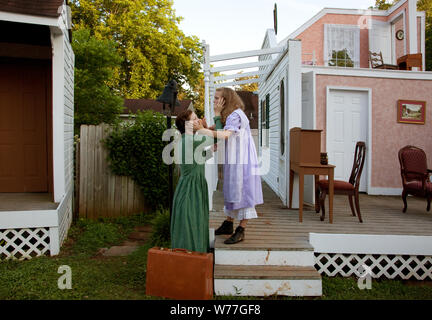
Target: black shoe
{"points": [[225, 228], [237, 236]]}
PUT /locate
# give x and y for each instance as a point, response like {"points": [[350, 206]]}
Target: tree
{"points": [[382, 4], [341, 58], [96, 62], [148, 39], [252, 87]]}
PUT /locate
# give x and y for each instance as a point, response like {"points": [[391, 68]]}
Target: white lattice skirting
{"points": [[23, 244], [28, 234], [387, 266]]}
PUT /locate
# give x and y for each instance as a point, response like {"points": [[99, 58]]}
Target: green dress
{"points": [[190, 215]]}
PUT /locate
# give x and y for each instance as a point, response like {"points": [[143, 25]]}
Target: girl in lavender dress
{"points": [[242, 183]]}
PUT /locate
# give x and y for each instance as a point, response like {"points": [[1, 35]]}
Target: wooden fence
{"points": [[100, 193]]}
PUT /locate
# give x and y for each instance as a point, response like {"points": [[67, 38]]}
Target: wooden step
{"points": [[276, 244], [234, 280], [304, 258], [265, 272]]}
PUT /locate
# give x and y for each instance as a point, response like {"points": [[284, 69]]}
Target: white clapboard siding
{"points": [[271, 86], [34, 232], [65, 217], [288, 69]]}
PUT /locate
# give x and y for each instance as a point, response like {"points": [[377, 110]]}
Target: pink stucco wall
{"points": [[313, 37], [400, 44], [395, 13], [388, 136]]}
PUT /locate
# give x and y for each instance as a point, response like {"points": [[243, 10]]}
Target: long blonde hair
{"points": [[232, 102]]}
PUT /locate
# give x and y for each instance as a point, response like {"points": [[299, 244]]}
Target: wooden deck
{"points": [[282, 256], [26, 202], [278, 228]]}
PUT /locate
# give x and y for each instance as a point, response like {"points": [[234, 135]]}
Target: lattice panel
{"points": [[388, 266], [23, 244]]}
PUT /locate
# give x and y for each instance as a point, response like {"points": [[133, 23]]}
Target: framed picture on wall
{"points": [[411, 111]]}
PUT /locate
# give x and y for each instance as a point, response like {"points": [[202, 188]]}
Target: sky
{"points": [[240, 25]]}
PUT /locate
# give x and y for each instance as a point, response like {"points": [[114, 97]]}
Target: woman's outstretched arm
{"points": [[219, 134]]}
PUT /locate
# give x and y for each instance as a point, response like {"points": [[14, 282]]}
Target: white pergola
{"points": [[266, 59]]}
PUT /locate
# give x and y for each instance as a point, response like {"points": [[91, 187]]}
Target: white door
{"points": [[380, 39], [347, 115]]}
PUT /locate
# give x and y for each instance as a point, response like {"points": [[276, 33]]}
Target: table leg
{"points": [[301, 190], [331, 193], [291, 183]]}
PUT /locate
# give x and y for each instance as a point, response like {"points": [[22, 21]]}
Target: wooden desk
{"points": [[408, 61], [317, 170]]}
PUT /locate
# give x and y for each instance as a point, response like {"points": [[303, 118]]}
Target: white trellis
{"points": [[386, 266], [24, 243], [388, 256], [211, 81]]}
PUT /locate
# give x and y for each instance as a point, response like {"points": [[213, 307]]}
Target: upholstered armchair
{"points": [[415, 174]]}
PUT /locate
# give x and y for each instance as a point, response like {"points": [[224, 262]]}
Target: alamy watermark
{"points": [[64, 281], [197, 148], [365, 279]]}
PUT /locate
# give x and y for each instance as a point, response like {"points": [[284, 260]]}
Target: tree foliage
{"points": [[95, 65], [383, 4], [341, 58], [252, 87], [148, 39]]}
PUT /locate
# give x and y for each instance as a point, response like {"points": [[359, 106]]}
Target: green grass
{"points": [[93, 277], [97, 277]]}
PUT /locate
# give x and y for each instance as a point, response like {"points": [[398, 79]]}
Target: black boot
{"points": [[225, 228], [238, 236]]}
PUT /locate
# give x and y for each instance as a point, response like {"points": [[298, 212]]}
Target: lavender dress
{"points": [[242, 182]]}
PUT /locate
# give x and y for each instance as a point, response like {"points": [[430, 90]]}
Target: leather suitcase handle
{"points": [[176, 250], [181, 250]]}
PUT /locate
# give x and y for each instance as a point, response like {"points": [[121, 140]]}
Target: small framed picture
{"points": [[411, 111]]}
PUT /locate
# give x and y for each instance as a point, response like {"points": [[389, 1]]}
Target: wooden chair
{"points": [[415, 174], [377, 62], [351, 188]]}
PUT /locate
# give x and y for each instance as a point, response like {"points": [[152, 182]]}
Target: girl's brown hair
{"points": [[181, 120], [232, 102]]}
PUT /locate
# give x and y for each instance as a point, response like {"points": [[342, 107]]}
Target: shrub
{"points": [[135, 150], [161, 236]]}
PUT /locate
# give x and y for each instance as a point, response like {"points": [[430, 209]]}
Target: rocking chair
{"points": [[415, 174], [351, 188]]}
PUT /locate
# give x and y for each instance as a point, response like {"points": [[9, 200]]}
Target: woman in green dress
{"points": [[190, 215]]}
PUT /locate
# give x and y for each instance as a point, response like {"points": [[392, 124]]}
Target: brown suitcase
{"points": [[179, 274]]}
